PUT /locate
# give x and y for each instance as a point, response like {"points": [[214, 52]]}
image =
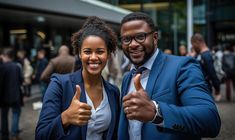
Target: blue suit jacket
{"points": [[58, 98], [178, 85]]}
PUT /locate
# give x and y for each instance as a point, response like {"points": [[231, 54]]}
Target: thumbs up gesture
{"points": [[78, 112], [137, 105]]}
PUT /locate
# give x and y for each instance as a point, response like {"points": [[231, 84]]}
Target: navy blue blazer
{"points": [[178, 85], [58, 98]]}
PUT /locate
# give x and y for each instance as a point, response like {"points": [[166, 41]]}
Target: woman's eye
{"points": [[100, 52], [87, 52]]}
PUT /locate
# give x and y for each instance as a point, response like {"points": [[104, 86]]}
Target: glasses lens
{"points": [[126, 40], [140, 37]]}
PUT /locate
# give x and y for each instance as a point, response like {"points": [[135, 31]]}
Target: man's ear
{"points": [[155, 37]]}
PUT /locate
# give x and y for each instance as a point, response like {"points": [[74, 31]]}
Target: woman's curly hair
{"points": [[94, 26]]}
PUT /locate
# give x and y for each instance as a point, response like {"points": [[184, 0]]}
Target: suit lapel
{"points": [[126, 82], [154, 73], [77, 79], [123, 127]]}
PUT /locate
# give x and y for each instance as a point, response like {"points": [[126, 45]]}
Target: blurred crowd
{"points": [[18, 72], [217, 63]]}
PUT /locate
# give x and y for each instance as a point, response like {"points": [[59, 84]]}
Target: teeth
{"points": [[94, 65]]}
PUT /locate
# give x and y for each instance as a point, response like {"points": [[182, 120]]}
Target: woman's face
{"points": [[93, 54]]}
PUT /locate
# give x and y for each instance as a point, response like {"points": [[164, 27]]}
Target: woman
{"points": [[81, 105], [27, 72]]}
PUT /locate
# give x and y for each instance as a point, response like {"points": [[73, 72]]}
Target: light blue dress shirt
{"points": [[100, 118], [135, 126]]}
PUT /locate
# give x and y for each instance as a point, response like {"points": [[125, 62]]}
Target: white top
{"points": [[100, 118], [134, 125]]}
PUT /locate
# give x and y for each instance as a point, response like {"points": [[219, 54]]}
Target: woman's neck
{"points": [[91, 80]]}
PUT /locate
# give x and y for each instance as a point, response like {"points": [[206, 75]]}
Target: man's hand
{"points": [[78, 113], [137, 105]]}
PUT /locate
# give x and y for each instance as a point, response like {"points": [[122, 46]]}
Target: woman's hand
{"points": [[78, 112]]}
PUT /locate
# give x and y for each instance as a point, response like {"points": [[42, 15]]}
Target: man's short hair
{"points": [[139, 16], [9, 52], [198, 38]]}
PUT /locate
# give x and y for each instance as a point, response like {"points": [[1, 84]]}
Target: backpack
{"points": [[228, 64], [218, 67]]}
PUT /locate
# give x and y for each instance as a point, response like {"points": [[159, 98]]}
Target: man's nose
{"points": [[133, 43]]}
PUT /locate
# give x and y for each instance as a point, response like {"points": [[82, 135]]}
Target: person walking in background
{"points": [[228, 65], [182, 50], [11, 94], [204, 56], [167, 51], [170, 99], [62, 64], [40, 66], [217, 56], [27, 72], [82, 105]]}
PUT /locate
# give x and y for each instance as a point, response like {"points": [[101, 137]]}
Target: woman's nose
{"points": [[93, 56]]}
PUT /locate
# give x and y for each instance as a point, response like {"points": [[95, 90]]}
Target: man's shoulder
{"points": [[175, 58], [206, 54], [63, 57]]}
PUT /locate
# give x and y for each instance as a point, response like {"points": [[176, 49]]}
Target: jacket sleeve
{"points": [[50, 125], [197, 113], [48, 71]]}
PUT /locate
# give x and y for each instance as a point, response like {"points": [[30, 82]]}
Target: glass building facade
{"points": [[212, 18], [32, 27]]}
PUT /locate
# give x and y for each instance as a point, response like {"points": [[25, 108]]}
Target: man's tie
{"points": [[139, 70]]}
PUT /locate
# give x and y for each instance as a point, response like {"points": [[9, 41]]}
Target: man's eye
{"points": [[126, 39], [140, 36]]}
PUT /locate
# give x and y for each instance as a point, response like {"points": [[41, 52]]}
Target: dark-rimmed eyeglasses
{"points": [[139, 37]]}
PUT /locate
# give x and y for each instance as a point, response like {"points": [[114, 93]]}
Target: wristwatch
{"points": [[158, 116]]}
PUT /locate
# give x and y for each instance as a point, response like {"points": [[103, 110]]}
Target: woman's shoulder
{"points": [[61, 77]]}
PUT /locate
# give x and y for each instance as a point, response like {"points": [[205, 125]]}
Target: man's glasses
{"points": [[140, 38]]}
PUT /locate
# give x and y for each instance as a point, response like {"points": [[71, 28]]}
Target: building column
{"points": [[189, 23]]}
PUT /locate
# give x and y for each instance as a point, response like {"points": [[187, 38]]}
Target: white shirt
{"points": [[100, 118], [135, 126]]}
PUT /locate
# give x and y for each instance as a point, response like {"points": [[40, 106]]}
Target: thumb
{"points": [[78, 92], [137, 83]]}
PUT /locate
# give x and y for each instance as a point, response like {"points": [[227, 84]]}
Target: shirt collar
{"points": [[149, 63]]}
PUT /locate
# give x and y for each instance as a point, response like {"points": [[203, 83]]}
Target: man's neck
{"points": [[204, 49]]}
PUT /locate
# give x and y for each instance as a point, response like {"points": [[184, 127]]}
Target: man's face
{"points": [[196, 47], [140, 49]]}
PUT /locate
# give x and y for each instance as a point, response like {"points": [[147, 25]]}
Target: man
{"points": [[11, 95], [204, 56], [62, 64], [41, 64], [170, 99], [228, 65]]}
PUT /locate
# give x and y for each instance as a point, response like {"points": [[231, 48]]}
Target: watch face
{"points": [[158, 120]]}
